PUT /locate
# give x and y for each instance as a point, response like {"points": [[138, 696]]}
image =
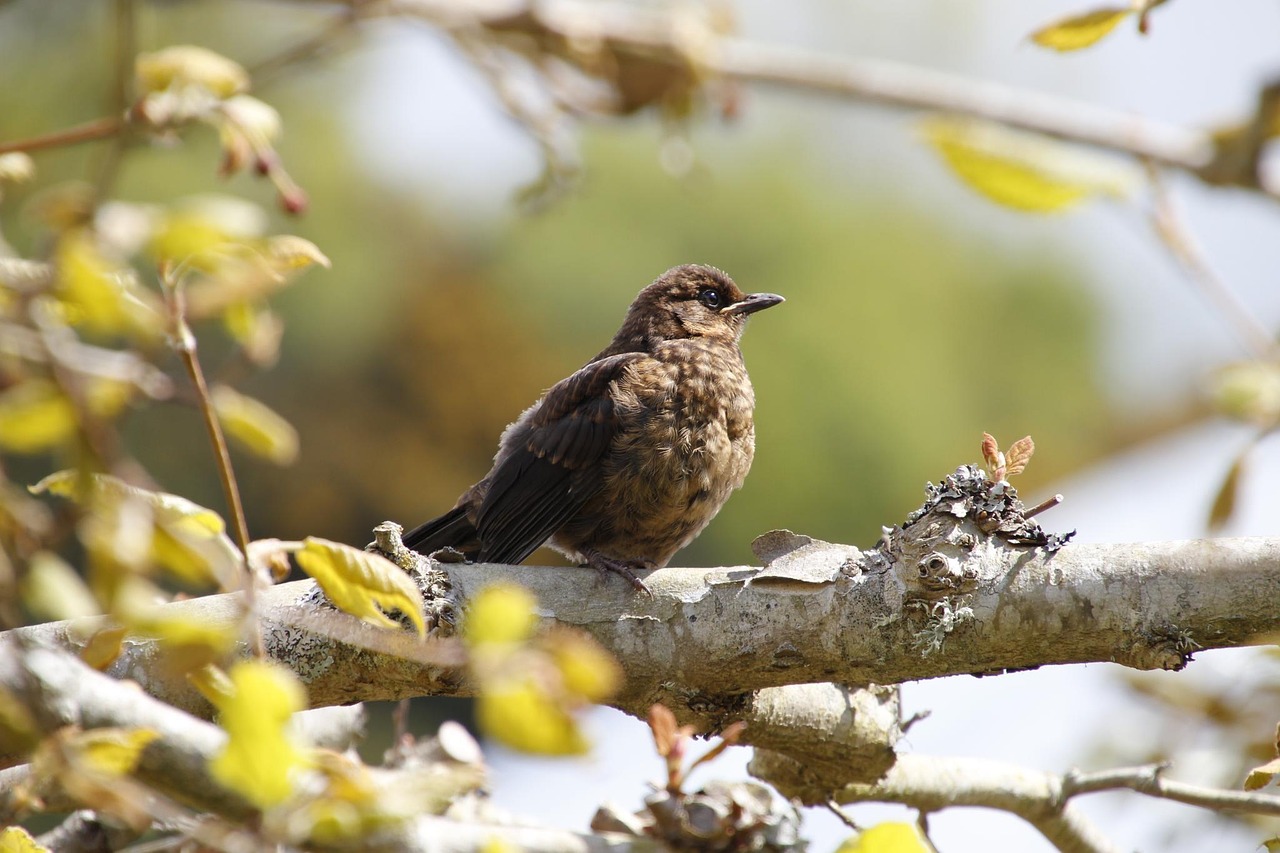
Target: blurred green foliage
{"points": [[905, 334]]}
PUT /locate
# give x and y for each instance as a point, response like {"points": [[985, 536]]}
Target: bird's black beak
{"points": [[753, 303]]}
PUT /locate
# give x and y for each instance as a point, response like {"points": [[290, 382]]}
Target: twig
{"points": [[688, 43], [894, 84], [307, 48], [1149, 780], [845, 818], [1181, 244], [90, 131], [1043, 506], [184, 342], [125, 52]]}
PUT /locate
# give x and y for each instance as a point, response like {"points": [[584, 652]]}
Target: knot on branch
{"points": [[1166, 647], [932, 552], [723, 816]]}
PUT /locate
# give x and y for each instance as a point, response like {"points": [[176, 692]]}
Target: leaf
{"points": [[185, 538], [501, 613], [213, 683], [1019, 455], [188, 643], [1024, 171], [586, 669], [15, 839], [887, 838], [101, 294], [991, 451], [206, 231], [1263, 775], [260, 757], [103, 647], [169, 509], [1249, 391], [190, 65], [360, 582], [1080, 31], [1224, 502], [35, 416], [54, 591], [257, 329], [524, 717], [110, 752], [255, 425], [290, 252], [663, 724]]}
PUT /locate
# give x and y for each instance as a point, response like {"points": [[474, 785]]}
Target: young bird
{"points": [[622, 464]]}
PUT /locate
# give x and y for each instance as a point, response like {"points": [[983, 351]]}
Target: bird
{"points": [[625, 461]]}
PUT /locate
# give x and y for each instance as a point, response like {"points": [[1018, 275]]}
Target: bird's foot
{"points": [[626, 568]]}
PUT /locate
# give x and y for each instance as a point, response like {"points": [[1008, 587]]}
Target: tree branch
{"points": [[692, 46]]}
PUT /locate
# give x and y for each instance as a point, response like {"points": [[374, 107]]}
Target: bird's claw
{"points": [[626, 568]]}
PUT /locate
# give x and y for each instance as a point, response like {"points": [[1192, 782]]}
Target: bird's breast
{"points": [[685, 442]]}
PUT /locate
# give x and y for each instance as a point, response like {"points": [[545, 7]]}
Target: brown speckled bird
{"points": [[622, 464]]}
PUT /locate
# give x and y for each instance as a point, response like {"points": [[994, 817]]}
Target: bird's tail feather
{"points": [[451, 530]]}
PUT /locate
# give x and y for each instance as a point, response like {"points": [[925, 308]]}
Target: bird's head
{"points": [[693, 301]]}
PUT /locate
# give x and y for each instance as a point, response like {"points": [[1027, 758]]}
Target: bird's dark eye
{"points": [[709, 298]]}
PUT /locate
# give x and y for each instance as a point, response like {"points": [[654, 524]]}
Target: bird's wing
{"points": [[538, 486]]}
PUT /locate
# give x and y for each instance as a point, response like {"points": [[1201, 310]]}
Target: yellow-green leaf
{"points": [[100, 293], [185, 538], [102, 647], [1080, 31], [501, 613], [189, 643], [586, 669], [213, 683], [110, 752], [170, 509], [290, 252], [523, 717], [1260, 777], [886, 838], [190, 65], [1249, 391], [362, 583], [1021, 170], [204, 232], [53, 590], [260, 758], [35, 416], [255, 426], [15, 839]]}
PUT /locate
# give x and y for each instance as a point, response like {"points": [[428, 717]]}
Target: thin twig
{"points": [[90, 131], [126, 50], [1181, 244], [184, 342], [845, 818], [1149, 780], [307, 48]]}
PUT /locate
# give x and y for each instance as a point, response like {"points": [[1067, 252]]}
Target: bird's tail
{"points": [[451, 530]]}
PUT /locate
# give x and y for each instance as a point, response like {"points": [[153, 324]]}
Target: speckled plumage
{"points": [[623, 463]]}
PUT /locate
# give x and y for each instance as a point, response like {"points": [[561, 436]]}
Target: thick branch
{"points": [[64, 691], [708, 637]]}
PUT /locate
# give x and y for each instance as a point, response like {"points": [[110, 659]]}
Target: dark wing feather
{"points": [[542, 481], [451, 530]]}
